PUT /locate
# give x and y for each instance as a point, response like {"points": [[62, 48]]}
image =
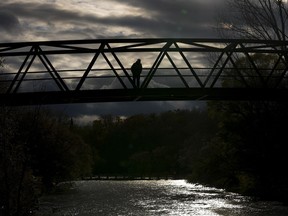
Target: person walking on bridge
{"points": [[136, 71]]}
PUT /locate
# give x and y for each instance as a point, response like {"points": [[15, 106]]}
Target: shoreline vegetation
{"points": [[232, 146]]}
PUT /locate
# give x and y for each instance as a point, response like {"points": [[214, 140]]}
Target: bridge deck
{"points": [[121, 95]]}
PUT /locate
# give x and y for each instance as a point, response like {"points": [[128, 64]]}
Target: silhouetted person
{"points": [[136, 71]]}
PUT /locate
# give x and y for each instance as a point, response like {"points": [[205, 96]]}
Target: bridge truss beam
{"points": [[79, 71]]}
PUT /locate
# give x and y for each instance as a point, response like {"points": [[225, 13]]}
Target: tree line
{"points": [[147, 145]]}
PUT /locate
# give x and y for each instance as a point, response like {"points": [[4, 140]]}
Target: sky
{"points": [[42, 20]]}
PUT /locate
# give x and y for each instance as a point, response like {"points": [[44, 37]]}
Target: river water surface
{"points": [[151, 198]]}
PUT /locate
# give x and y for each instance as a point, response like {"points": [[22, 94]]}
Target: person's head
{"points": [[139, 60]]}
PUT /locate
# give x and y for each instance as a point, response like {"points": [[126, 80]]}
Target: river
{"points": [[151, 198]]}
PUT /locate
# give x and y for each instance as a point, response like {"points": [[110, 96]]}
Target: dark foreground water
{"points": [[149, 198]]}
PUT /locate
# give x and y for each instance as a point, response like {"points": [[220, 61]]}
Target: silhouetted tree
{"points": [[58, 154], [35, 148], [250, 151], [17, 182], [266, 20], [255, 19]]}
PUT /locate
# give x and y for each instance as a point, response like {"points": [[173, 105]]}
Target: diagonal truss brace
{"points": [[13, 88], [26, 65], [189, 66], [52, 71], [78, 87], [93, 61], [253, 65], [155, 65]]}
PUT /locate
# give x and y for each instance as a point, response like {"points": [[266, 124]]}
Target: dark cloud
{"points": [[166, 18], [9, 22], [181, 17], [199, 10], [42, 12]]}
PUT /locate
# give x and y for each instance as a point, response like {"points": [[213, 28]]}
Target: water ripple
{"points": [[153, 198]]}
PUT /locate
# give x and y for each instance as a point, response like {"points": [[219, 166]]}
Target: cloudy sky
{"points": [[38, 20]]}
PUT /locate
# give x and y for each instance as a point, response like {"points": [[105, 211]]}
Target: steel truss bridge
{"points": [[80, 71]]}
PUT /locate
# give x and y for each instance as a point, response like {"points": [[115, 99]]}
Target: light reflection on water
{"points": [[151, 198]]}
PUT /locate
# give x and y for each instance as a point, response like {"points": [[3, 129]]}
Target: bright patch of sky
{"points": [[103, 9]]}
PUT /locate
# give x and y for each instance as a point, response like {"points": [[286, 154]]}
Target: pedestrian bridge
{"points": [[83, 71]]}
